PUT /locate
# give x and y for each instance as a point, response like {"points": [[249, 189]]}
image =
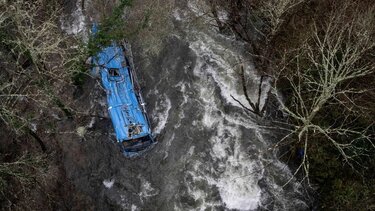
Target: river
{"points": [[211, 155]]}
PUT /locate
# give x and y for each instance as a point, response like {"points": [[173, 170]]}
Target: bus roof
{"points": [[127, 116]]}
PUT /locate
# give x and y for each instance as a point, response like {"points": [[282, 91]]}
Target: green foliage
{"points": [[112, 28]]}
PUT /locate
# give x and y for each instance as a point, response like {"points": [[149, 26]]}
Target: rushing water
{"points": [[211, 155]]}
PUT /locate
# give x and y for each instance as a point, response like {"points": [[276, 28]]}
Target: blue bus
{"points": [[126, 107]]}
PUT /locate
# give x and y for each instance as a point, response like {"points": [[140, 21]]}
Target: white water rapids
{"points": [[211, 155]]}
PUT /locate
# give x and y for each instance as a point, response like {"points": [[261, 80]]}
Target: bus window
{"points": [[114, 72]]}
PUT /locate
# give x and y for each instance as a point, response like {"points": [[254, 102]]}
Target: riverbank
{"points": [[215, 151], [320, 57]]}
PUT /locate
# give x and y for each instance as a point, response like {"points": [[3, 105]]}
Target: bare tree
{"points": [[36, 66], [274, 11], [40, 40], [254, 107], [334, 55], [27, 171]]}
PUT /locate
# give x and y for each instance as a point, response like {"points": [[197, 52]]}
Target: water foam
{"points": [[231, 171], [161, 113], [147, 190], [108, 183], [77, 24]]}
